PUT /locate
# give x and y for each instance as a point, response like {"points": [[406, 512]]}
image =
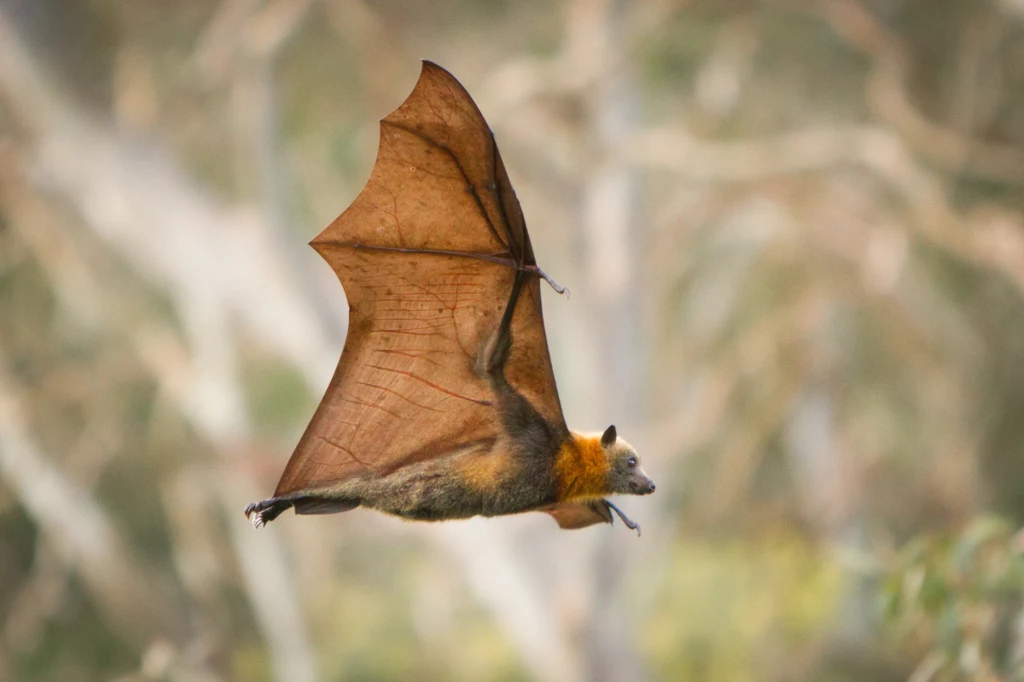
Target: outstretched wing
{"points": [[427, 255]]}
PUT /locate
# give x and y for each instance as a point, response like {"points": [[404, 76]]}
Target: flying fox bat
{"points": [[444, 405]]}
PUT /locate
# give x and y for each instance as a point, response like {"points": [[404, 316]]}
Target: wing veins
{"points": [[442, 389], [490, 258], [376, 407], [469, 183], [396, 393], [409, 354], [343, 449], [430, 449]]}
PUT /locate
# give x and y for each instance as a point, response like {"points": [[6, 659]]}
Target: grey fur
{"points": [[624, 473]]}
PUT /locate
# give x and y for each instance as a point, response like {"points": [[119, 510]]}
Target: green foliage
{"points": [[726, 611], [958, 599]]}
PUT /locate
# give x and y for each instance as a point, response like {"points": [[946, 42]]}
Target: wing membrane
{"points": [[573, 515], [427, 254]]}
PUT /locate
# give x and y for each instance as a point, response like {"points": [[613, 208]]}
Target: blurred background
{"points": [[794, 233]]}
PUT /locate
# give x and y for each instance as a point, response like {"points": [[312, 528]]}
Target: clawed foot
{"points": [[254, 513], [263, 512], [629, 523]]}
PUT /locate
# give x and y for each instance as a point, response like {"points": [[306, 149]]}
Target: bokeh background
{"points": [[794, 234]]}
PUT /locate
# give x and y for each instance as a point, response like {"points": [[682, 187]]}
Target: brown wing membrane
{"points": [[427, 254], [572, 515]]}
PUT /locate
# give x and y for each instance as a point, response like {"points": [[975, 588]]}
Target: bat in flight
{"points": [[444, 405]]}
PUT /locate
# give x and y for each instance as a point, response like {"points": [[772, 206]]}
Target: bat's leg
{"points": [[316, 504], [631, 524], [267, 510], [533, 269]]}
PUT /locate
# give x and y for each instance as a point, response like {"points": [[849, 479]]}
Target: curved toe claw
{"points": [[254, 512], [263, 512]]}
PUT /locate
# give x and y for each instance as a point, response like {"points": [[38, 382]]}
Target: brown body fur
{"points": [[464, 484], [478, 481]]}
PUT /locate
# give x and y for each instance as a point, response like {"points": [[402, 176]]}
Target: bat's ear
{"points": [[609, 436]]}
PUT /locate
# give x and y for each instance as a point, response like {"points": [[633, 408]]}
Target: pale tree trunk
{"points": [[611, 234]]}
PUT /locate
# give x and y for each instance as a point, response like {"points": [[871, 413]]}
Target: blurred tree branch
{"points": [[211, 260], [991, 241], [889, 99], [207, 392], [182, 378], [80, 532], [202, 253]]}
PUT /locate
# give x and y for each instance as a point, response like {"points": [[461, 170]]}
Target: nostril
{"points": [[650, 489]]}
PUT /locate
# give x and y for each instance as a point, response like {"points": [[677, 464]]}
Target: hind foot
{"points": [[263, 512]]}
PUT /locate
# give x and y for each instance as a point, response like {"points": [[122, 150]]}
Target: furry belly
{"points": [[459, 489]]}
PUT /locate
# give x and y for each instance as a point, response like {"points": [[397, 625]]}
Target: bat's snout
{"points": [[642, 485]]}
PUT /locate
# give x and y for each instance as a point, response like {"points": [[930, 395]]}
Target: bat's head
{"points": [[624, 473]]}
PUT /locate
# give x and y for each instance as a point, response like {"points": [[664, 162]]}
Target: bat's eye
{"points": [[631, 462]]}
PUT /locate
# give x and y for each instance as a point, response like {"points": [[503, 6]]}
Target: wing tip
{"points": [[320, 239], [431, 71], [428, 65]]}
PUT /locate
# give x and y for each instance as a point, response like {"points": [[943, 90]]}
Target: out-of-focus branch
{"points": [[758, 348], [153, 620], [505, 589], [37, 599], [208, 270], [806, 151], [890, 101], [213, 263], [991, 241], [358, 24], [611, 234], [80, 532], [928, 668], [144, 207], [246, 28], [268, 583], [210, 402], [238, 54]]}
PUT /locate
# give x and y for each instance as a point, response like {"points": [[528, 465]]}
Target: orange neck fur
{"points": [[581, 468]]}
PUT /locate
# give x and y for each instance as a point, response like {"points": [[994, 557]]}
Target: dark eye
{"points": [[631, 462]]}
